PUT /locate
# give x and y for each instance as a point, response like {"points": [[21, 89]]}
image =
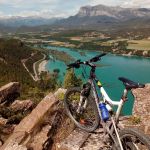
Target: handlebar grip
{"points": [[74, 65], [97, 58]]}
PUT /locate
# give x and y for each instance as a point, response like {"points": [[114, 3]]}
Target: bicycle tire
{"points": [[92, 106], [138, 142]]}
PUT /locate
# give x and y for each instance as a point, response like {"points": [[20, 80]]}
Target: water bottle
{"points": [[104, 111]]}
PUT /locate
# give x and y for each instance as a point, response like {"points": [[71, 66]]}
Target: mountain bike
{"points": [[88, 110]]}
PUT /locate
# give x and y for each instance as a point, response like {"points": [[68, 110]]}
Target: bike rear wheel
{"points": [[87, 118], [133, 139]]}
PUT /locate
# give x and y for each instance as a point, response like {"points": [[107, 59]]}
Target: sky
{"points": [[58, 8]]}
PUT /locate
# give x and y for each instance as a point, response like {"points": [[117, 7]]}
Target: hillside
{"points": [[25, 24], [11, 53], [26, 21], [5, 29]]}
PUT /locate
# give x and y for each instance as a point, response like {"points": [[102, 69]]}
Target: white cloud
{"points": [[42, 13], [2, 14], [58, 8], [106, 2], [137, 3], [44, 8]]}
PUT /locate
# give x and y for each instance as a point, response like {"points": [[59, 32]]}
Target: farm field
{"points": [[139, 44]]}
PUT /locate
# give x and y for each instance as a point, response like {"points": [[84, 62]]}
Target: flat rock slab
{"points": [[40, 138], [74, 141], [95, 141], [23, 131], [15, 146]]}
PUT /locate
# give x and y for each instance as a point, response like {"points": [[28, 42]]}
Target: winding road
{"points": [[35, 76], [34, 67]]}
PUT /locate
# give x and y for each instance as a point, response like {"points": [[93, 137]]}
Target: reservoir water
{"points": [[134, 68]]}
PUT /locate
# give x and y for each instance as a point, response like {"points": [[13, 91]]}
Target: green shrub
{"points": [[71, 80], [134, 120]]}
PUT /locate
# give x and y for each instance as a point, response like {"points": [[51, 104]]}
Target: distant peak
{"points": [[117, 12]]}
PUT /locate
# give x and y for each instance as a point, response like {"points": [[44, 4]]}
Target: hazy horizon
{"points": [[58, 8]]}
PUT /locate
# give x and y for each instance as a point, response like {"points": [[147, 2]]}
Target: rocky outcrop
{"points": [[39, 139], [30, 124], [12, 111], [15, 146], [45, 127], [60, 92], [9, 92], [115, 12], [78, 138], [23, 105], [141, 109], [3, 121]]}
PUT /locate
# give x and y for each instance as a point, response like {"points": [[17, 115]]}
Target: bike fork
{"points": [[81, 102]]}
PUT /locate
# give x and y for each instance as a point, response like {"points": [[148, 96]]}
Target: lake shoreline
{"points": [[112, 53], [133, 67], [42, 66]]}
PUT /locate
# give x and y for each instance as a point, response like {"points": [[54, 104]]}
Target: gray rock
{"points": [[23, 105], [2, 121], [9, 92]]}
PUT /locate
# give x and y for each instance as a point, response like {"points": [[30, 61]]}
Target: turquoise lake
{"points": [[134, 68]]}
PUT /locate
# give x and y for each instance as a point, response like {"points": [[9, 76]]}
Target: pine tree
{"points": [[71, 80]]}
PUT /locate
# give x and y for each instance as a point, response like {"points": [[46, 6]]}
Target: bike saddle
{"points": [[130, 84]]}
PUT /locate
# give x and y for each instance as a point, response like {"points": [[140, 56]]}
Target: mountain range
{"points": [[99, 16], [105, 16], [26, 21], [114, 12]]}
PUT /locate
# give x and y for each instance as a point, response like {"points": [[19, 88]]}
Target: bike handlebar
{"points": [[77, 63], [97, 58]]}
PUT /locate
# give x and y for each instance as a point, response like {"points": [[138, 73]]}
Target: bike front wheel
{"points": [[133, 139], [86, 117]]}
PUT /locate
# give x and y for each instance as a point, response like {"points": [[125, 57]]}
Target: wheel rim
{"points": [[131, 142]]}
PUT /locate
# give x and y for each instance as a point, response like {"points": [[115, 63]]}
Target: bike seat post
{"points": [[125, 93], [122, 101]]}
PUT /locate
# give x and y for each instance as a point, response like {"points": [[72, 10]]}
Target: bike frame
{"points": [[110, 127], [93, 80], [114, 103], [106, 99]]}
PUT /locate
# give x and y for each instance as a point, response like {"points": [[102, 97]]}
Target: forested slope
{"points": [[11, 69]]}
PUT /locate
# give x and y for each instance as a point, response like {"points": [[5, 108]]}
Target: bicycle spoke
{"points": [[131, 140], [81, 110]]}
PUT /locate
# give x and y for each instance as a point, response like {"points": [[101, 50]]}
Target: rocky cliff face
{"points": [[12, 111], [115, 12], [141, 108], [105, 17]]}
